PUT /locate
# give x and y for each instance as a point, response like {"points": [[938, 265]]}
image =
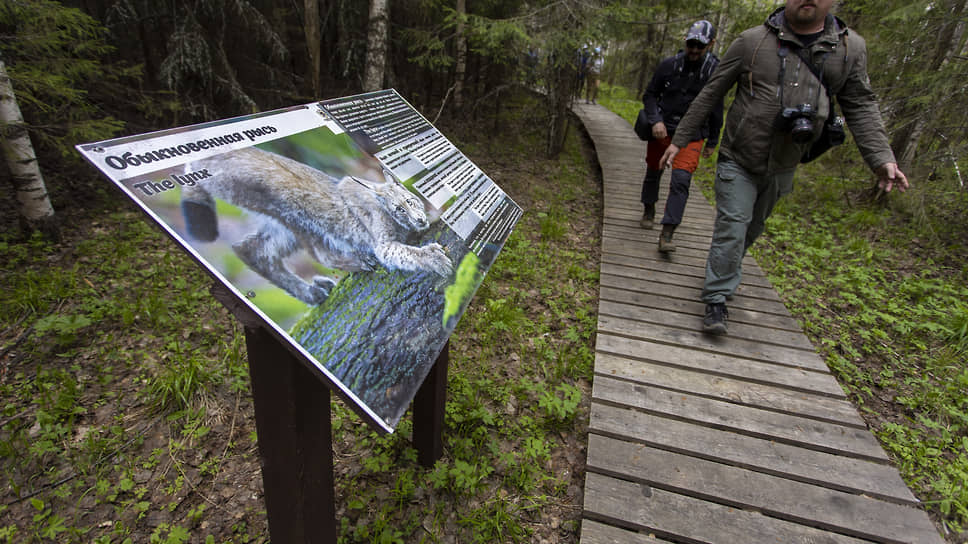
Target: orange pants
{"points": [[687, 159]]}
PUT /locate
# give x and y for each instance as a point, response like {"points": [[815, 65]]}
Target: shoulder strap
{"points": [[708, 65], [805, 57]]}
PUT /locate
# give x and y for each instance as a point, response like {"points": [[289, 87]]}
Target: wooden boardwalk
{"points": [[742, 439]]}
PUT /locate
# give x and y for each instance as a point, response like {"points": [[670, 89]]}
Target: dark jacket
{"points": [[752, 63], [674, 86]]}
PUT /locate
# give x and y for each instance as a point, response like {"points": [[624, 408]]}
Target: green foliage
{"points": [[890, 324], [54, 58], [458, 293]]}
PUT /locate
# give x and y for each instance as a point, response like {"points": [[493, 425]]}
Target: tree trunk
{"points": [[560, 94], [376, 46], [721, 42], [905, 141], [36, 213], [461, 67], [311, 26]]}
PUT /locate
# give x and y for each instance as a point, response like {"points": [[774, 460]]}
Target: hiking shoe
{"points": [[648, 217], [715, 320], [666, 245]]}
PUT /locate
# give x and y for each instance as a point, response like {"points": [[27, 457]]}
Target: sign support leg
{"points": [[292, 413], [428, 411]]}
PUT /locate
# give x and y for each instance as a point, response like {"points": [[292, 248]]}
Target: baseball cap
{"points": [[702, 31]]}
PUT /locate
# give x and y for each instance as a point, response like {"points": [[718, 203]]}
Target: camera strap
{"points": [[817, 72]]}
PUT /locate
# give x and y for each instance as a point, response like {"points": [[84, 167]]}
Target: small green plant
{"points": [[560, 405], [63, 327]]}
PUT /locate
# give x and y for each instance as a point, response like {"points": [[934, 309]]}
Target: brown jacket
{"points": [[753, 63]]}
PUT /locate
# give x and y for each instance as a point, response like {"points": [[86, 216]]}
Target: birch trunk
{"points": [[376, 46], [36, 213]]}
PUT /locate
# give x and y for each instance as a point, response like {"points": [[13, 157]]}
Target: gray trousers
{"points": [[743, 202]]}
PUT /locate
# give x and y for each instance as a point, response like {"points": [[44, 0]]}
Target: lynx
{"points": [[348, 224]]}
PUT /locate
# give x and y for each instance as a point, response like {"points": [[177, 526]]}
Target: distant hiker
{"points": [[676, 82], [583, 62], [593, 74], [770, 128]]}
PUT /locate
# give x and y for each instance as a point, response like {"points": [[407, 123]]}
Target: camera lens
{"points": [[802, 130]]}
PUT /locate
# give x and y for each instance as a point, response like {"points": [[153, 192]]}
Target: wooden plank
{"points": [[691, 320], [742, 309], [593, 532], [696, 339], [658, 271], [855, 515], [688, 263], [687, 519], [756, 395], [613, 353], [784, 428], [856, 476]]}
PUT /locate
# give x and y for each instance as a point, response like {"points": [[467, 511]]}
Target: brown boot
{"points": [[648, 217], [666, 245]]}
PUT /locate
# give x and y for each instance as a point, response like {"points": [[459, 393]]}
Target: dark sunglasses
{"points": [[695, 44]]}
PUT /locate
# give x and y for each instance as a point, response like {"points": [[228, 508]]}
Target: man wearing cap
{"points": [[676, 82], [787, 73]]}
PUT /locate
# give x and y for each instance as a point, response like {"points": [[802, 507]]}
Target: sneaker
{"points": [[666, 245], [715, 320]]}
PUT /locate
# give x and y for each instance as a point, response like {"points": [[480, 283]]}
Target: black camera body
{"points": [[798, 122]]}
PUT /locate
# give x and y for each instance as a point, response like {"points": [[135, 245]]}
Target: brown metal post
{"points": [[428, 411]]}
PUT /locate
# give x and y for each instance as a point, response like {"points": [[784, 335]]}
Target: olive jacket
{"points": [[755, 63]]}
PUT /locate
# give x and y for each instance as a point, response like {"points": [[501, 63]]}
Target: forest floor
{"points": [[126, 409]]}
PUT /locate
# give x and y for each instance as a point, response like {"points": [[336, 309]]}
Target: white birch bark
{"points": [[35, 209], [376, 46]]}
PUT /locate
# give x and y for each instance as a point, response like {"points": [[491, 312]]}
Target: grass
{"points": [[127, 417], [879, 287]]}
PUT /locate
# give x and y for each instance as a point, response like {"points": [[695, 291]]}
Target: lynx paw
{"points": [[319, 289], [436, 260]]}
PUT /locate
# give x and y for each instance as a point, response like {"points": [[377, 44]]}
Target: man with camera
{"points": [[788, 73]]}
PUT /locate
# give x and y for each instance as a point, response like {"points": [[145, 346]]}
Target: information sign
{"points": [[352, 227]]}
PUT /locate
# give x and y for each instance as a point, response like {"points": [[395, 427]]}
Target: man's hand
{"points": [[666, 160], [708, 151], [889, 176], [659, 131]]}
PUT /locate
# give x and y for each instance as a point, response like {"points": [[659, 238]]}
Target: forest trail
{"points": [[741, 438]]}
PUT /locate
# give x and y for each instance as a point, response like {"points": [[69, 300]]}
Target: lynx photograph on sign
{"points": [[352, 227]]}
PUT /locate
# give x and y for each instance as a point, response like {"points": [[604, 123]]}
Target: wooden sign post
{"points": [[293, 422]]}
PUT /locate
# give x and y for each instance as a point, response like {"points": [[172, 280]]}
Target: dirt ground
{"points": [[173, 491]]}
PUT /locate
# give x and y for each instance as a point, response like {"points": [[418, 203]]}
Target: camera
{"points": [[834, 130], [798, 122]]}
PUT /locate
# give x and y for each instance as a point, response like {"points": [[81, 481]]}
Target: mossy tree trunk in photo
{"points": [[36, 212], [379, 332]]}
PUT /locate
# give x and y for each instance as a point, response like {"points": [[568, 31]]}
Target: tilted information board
{"points": [[352, 227]]}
